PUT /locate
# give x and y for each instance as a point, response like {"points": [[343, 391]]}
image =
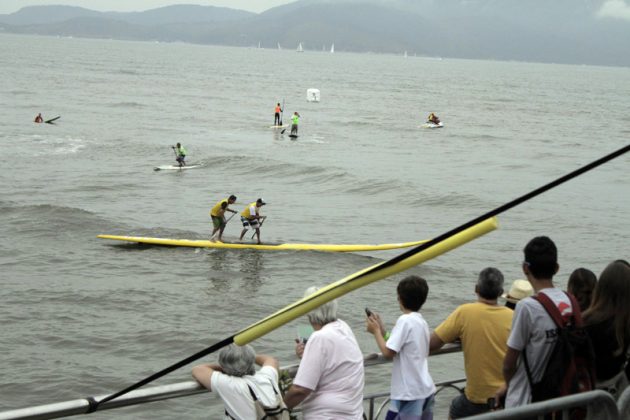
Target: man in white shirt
{"points": [[235, 375]]}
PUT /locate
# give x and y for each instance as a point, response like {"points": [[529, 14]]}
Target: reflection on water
{"points": [[242, 269]]}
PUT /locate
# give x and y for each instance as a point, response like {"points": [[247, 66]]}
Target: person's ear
{"points": [[525, 267]]}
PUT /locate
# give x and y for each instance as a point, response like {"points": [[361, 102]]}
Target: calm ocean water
{"points": [[82, 316]]}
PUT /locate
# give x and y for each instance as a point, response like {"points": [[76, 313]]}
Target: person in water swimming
{"points": [[276, 119], [180, 154], [39, 118], [433, 118]]}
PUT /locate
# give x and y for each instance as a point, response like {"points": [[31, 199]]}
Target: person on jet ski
{"points": [[433, 119]]}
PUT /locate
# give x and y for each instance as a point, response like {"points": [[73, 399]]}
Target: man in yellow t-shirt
{"points": [[483, 328], [218, 215]]}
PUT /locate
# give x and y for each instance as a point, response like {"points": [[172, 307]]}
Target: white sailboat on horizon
{"points": [[300, 48], [279, 47], [332, 48]]}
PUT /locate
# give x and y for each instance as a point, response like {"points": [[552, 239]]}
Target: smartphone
{"points": [[368, 312], [304, 332]]}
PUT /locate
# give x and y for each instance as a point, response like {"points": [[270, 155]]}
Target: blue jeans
{"points": [[411, 410]]}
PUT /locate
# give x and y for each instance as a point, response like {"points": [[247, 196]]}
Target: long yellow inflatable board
{"points": [[358, 280], [264, 247]]}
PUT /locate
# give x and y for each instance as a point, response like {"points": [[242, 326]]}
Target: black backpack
{"points": [[571, 366]]}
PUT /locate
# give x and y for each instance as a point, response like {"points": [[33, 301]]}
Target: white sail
{"points": [[300, 48], [258, 44], [279, 47], [405, 54], [332, 48]]}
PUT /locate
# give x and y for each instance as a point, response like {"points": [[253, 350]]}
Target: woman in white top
{"points": [[235, 375], [329, 381]]}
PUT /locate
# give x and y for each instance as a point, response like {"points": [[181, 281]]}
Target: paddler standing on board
{"points": [[180, 154], [277, 121], [251, 218], [295, 119], [218, 215]]}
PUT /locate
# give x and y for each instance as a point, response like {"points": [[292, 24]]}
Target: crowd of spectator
{"points": [[506, 347]]}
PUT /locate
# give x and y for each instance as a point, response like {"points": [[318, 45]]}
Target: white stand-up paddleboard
{"points": [[279, 126], [432, 125], [175, 167]]}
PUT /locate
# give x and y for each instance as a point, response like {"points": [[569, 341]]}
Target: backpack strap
{"points": [[252, 393], [269, 411], [554, 313]]}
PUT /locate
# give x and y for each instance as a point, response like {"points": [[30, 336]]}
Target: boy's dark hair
{"points": [[413, 291], [541, 257]]}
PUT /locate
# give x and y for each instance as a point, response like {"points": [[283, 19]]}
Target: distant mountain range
{"points": [[558, 31]]}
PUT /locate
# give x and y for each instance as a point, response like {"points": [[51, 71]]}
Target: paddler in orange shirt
{"points": [[276, 120]]}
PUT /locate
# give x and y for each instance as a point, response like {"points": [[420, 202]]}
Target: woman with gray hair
{"points": [[236, 381], [329, 381]]}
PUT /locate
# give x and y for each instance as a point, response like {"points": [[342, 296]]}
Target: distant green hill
{"points": [[559, 31]]}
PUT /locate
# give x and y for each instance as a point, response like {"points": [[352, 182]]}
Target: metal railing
{"points": [[159, 393], [373, 414], [600, 405]]}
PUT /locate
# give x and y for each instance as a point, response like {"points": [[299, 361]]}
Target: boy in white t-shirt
{"points": [[412, 388]]}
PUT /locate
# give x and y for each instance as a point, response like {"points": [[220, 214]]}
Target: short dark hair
{"points": [[490, 283], [413, 291], [232, 197], [541, 257]]}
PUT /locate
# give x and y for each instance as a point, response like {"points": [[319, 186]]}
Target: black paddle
{"points": [[93, 404]]}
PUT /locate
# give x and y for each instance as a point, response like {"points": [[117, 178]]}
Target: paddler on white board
{"points": [[251, 218], [39, 119], [277, 119], [180, 154], [218, 216]]}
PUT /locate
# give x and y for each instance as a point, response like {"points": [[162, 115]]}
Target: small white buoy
{"points": [[312, 95]]}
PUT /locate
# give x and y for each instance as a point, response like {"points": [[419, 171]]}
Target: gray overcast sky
{"points": [[10, 6], [618, 9]]}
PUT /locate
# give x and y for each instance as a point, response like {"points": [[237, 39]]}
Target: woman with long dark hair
{"points": [[608, 324]]}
